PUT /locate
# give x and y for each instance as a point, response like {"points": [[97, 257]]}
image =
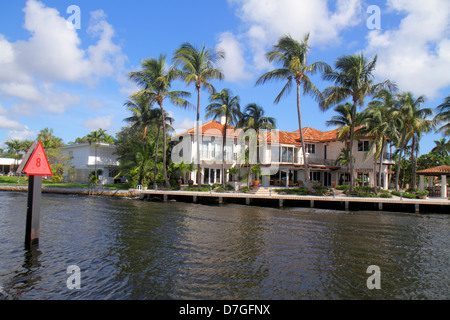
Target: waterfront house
{"points": [[280, 156], [8, 166], [88, 157]]}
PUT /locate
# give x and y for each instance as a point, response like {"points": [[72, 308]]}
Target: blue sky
{"points": [[75, 80]]}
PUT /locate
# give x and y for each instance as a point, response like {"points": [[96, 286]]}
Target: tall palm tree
{"points": [[198, 66], [95, 137], [381, 124], [155, 81], [224, 104], [253, 118], [414, 124], [157, 120], [343, 120], [442, 147], [143, 113], [443, 116], [292, 56], [353, 79]]}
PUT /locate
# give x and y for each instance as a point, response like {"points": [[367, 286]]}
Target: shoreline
{"points": [[433, 205]]}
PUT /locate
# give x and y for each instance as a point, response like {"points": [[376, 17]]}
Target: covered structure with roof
{"points": [[441, 171]]}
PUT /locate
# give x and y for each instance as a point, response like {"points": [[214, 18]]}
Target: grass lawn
{"points": [[24, 181]]}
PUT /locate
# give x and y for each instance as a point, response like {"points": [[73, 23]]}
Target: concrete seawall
{"points": [[68, 190]]}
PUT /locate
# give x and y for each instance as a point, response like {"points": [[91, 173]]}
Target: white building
{"points": [[8, 164], [88, 157], [281, 156]]}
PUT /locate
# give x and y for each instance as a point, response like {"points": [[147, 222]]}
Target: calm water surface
{"points": [[129, 249]]}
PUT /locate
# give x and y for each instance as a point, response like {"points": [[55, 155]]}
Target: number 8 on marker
{"points": [[38, 162]]}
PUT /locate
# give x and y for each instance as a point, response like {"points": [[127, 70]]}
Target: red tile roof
{"points": [[214, 128], [437, 171]]}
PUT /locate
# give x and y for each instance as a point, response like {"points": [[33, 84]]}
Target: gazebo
{"points": [[442, 171]]}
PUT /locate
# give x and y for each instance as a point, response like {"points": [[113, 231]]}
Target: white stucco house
{"points": [[281, 156], [8, 164], [88, 157]]}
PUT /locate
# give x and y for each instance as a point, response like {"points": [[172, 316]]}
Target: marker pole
{"points": [[33, 210]]}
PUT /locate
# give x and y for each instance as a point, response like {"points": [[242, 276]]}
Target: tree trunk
{"points": [[399, 166], [305, 159], [156, 158], [380, 167], [198, 137], [352, 133], [413, 162], [166, 180], [224, 141]]}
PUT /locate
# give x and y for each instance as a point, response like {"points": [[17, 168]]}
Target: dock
{"points": [[273, 199]]}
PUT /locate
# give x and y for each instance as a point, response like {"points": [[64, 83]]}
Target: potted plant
{"points": [[422, 194], [256, 170]]}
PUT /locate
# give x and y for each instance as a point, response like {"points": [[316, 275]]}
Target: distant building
{"points": [[86, 157], [8, 166]]}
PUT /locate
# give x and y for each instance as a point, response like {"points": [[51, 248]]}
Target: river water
{"points": [[131, 249]]}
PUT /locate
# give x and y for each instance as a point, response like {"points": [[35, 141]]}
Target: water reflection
{"points": [[130, 249], [25, 279]]}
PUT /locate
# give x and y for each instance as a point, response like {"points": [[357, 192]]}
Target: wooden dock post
{"points": [[194, 198], [380, 206], [347, 206], [247, 201], [280, 203], [311, 203], [220, 200], [165, 197], [417, 208]]}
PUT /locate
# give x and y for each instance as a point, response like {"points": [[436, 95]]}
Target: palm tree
{"points": [[143, 113], [343, 158], [198, 67], [353, 79], [224, 104], [381, 124], [442, 147], [414, 124], [155, 81], [443, 116], [253, 118], [292, 56], [344, 120], [48, 139], [157, 120], [96, 137]]}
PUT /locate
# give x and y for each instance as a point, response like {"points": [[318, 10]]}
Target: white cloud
{"points": [[186, 124], [416, 55], [21, 134], [53, 54], [6, 123], [265, 21], [233, 66], [101, 122]]}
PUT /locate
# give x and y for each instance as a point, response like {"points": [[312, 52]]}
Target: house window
{"points": [[310, 148], [314, 176], [363, 146], [287, 155]]}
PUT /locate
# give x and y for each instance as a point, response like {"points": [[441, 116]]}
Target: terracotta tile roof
{"points": [[437, 170], [214, 128]]}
